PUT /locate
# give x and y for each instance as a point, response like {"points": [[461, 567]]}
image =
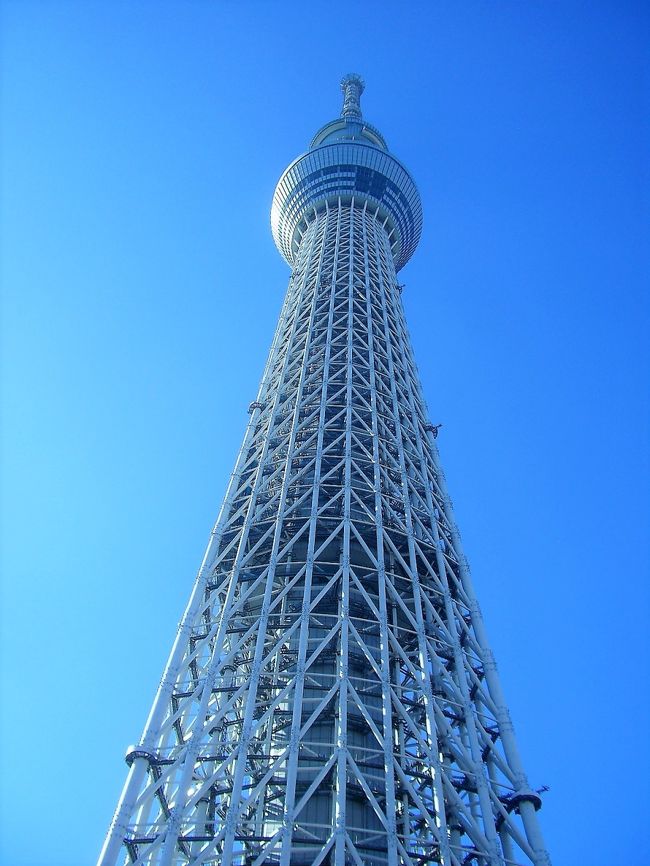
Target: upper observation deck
{"points": [[347, 159]]}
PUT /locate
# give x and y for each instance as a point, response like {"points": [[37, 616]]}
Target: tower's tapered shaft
{"points": [[331, 697]]}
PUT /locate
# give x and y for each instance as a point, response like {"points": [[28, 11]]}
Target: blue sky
{"points": [[141, 144]]}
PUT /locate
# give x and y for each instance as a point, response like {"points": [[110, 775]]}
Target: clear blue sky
{"points": [[141, 145]]}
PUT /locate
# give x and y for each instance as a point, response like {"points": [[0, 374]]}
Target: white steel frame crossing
{"points": [[331, 697]]}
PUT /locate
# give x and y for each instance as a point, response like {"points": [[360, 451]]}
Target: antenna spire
{"points": [[352, 86]]}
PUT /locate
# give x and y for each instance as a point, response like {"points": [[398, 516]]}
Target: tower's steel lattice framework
{"points": [[331, 697]]}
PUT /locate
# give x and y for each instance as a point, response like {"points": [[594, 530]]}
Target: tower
{"points": [[330, 697]]}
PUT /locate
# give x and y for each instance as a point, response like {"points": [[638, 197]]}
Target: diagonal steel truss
{"points": [[330, 697]]}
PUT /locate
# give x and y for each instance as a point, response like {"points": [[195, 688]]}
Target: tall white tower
{"points": [[330, 697]]}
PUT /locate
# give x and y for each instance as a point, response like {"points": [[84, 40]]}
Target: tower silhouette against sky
{"points": [[330, 697]]}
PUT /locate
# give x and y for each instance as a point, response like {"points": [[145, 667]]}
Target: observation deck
{"points": [[347, 159]]}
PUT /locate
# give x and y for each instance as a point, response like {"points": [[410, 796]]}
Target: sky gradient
{"points": [[141, 145]]}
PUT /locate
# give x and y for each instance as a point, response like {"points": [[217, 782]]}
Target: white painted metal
{"points": [[331, 697]]}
